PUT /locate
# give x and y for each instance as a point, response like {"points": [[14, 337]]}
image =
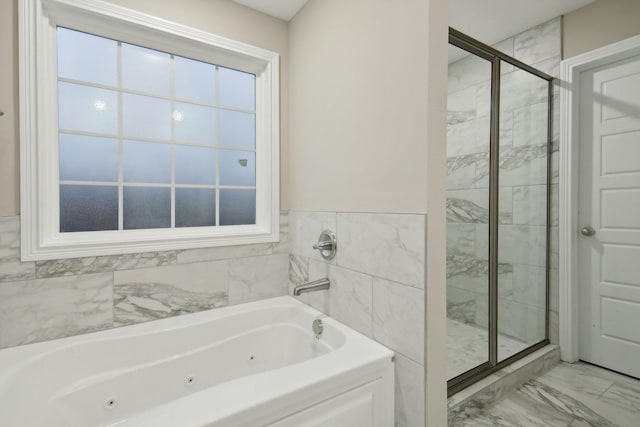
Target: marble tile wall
{"points": [[522, 207], [377, 287], [52, 299]]}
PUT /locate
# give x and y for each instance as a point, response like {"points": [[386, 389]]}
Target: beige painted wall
{"points": [[599, 24], [368, 130], [220, 17], [358, 117], [436, 241], [9, 178]]}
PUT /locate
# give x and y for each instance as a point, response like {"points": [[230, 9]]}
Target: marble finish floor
{"points": [[467, 347], [575, 395]]}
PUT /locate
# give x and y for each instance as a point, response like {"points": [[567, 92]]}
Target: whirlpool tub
{"points": [[254, 364]]}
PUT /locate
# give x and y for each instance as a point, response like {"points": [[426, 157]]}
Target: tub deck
{"points": [[253, 364]]}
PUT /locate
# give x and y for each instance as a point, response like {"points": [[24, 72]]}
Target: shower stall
{"points": [[498, 210]]}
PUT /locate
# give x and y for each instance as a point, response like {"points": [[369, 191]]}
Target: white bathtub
{"points": [[249, 365]]}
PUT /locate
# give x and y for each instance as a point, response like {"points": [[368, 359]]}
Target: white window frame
{"points": [[39, 175]]}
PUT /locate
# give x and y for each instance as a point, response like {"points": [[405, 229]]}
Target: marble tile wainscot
{"points": [[377, 287], [57, 298]]}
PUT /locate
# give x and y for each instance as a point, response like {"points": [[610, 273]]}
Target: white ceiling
{"points": [[491, 21], [283, 9]]}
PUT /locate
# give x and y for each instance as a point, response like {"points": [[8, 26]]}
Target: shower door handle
{"points": [[588, 231]]}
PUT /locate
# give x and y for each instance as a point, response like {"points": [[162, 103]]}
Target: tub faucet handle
{"points": [[323, 245], [327, 244]]}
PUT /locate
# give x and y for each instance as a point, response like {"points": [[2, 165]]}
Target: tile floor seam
{"points": [[606, 390], [540, 404]]}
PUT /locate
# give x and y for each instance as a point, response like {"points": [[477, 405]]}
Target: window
{"points": [[138, 134]]}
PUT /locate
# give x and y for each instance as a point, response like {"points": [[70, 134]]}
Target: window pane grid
{"points": [[157, 141], [130, 91], [217, 118], [173, 120], [120, 144], [172, 91], [152, 184]]}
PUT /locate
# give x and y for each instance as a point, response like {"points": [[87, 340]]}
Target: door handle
{"points": [[588, 231]]}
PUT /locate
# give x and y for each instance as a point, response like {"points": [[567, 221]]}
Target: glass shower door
{"points": [[468, 146], [498, 182], [522, 235]]}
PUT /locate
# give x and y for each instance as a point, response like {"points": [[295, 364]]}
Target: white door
{"points": [[609, 260]]}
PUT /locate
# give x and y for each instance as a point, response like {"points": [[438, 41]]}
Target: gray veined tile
{"points": [[409, 393], [521, 322], [351, 299], [154, 293], [461, 106], [461, 239], [506, 135], [577, 379], [11, 268], [483, 106], [42, 309], [461, 171], [519, 244], [481, 178], [530, 124], [9, 237], [398, 317], [298, 274], [467, 72], [320, 300], [625, 396], [468, 137], [466, 211], [589, 384], [390, 246], [461, 305], [142, 302], [539, 43], [471, 273], [466, 347], [98, 264], [282, 246], [520, 89], [472, 205], [255, 278], [544, 397], [530, 205], [469, 266], [529, 285], [550, 66], [298, 270], [533, 404]]}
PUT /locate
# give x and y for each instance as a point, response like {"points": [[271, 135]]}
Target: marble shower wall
{"points": [[377, 287], [52, 299], [522, 195]]}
